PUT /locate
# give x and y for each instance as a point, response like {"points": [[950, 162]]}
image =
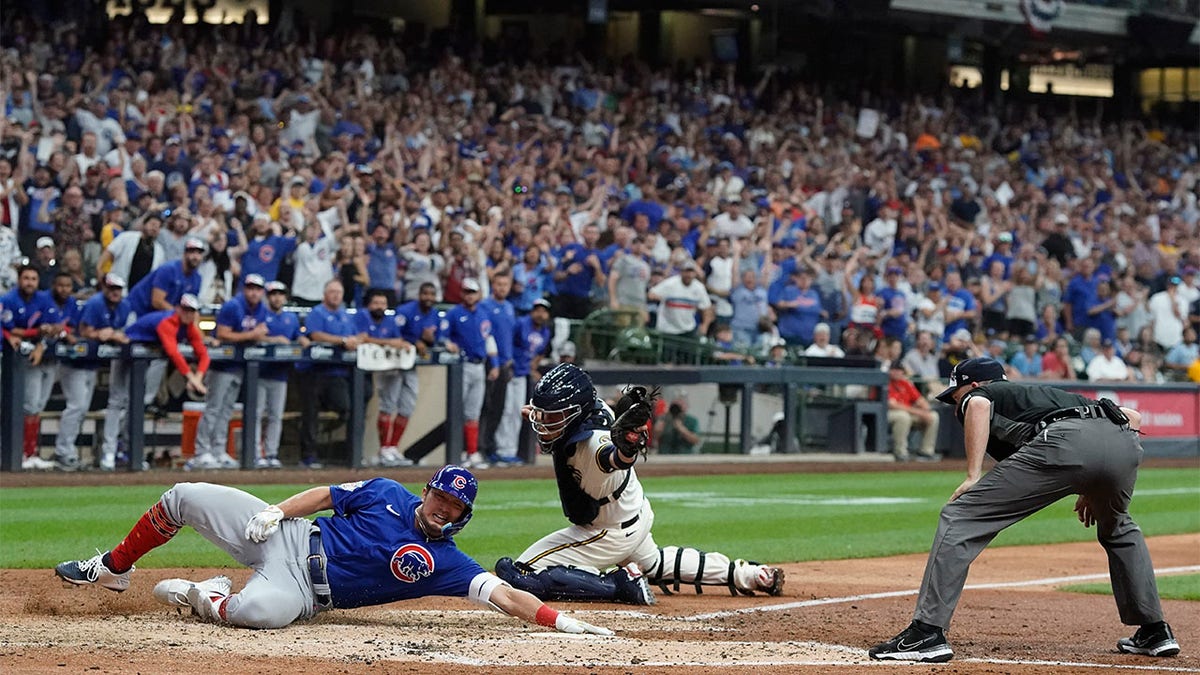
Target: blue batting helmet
{"points": [[561, 400], [460, 484]]}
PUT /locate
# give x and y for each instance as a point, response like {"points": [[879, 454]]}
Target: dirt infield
{"points": [[830, 612]]}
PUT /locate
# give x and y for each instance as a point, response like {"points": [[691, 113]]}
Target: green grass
{"points": [[1178, 587], [770, 517]]}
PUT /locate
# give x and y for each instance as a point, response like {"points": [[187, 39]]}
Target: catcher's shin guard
{"points": [[574, 584], [679, 565]]}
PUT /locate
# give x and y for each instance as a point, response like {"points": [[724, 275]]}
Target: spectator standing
{"points": [[719, 272], [376, 327], [930, 314], [682, 296], [893, 306], [465, 331], [325, 386], [750, 307], [961, 309], [133, 254], [993, 300], [314, 264], [799, 308], [241, 320], [1168, 313], [167, 329], [1101, 310], [266, 250], [628, 281], [383, 263], [283, 327], [423, 266], [908, 408], [1081, 294], [579, 267], [1021, 309]]}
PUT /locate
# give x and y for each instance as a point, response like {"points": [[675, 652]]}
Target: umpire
{"points": [[1048, 443]]}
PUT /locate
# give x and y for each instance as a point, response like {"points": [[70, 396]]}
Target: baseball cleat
{"points": [[173, 592], [1153, 639], [36, 463], [92, 571], [919, 642]]}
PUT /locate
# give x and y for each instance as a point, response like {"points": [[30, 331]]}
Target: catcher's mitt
{"points": [[634, 411]]}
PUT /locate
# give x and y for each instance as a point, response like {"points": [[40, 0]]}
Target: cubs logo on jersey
{"points": [[411, 563], [266, 253]]}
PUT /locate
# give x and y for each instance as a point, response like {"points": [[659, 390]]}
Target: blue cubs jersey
{"points": [[376, 552], [322, 320], [97, 313], [169, 277], [145, 329], [504, 320], [412, 322], [383, 329], [264, 255], [469, 329], [17, 311], [286, 324], [239, 316], [529, 344]]}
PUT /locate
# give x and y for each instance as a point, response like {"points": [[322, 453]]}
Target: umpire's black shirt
{"points": [[1016, 408]]}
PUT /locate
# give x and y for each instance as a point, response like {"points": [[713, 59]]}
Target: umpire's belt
{"points": [[316, 569], [1082, 412]]}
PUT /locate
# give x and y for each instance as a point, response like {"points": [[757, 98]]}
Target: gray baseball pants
{"points": [[272, 398], [474, 383], [212, 433], [389, 384], [508, 432], [77, 385], [280, 590], [1093, 458], [409, 387], [118, 398], [39, 382]]}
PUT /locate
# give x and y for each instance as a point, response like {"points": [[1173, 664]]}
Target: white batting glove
{"points": [[264, 524], [567, 624]]}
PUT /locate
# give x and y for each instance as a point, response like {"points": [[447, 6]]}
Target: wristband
{"points": [[546, 617]]}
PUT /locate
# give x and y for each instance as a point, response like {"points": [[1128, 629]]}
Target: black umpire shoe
{"points": [[1153, 639], [919, 642]]}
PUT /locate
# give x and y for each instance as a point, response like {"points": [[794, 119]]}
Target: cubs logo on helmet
{"points": [[411, 563]]}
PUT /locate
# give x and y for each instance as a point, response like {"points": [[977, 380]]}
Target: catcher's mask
{"points": [[460, 484], [560, 401]]}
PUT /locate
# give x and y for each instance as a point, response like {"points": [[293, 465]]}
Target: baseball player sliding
{"points": [[382, 544], [594, 450]]}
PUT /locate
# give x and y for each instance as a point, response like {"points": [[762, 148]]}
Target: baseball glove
{"points": [[634, 411]]}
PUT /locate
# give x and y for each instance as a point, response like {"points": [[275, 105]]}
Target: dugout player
{"points": [[168, 329], [162, 289], [594, 449], [282, 328], [531, 342], [502, 316], [382, 544], [419, 322], [465, 331], [325, 386], [1048, 444], [241, 320], [376, 327]]}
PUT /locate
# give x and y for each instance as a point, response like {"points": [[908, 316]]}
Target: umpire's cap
{"points": [[460, 484], [978, 369]]}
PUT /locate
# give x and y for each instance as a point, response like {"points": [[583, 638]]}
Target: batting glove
{"points": [[264, 524], [566, 624]]}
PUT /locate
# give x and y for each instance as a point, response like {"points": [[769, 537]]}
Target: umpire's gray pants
{"points": [[280, 590], [39, 382], [77, 385], [1093, 458], [474, 382], [118, 398], [272, 398], [213, 431]]}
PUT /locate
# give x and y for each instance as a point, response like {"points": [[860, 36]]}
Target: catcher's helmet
{"points": [[561, 400], [460, 484]]}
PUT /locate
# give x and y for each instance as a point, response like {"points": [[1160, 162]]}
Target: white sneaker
{"points": [[174, 591], [274, 463], [474, 461], [108, 463], [262, 463], [225, 462], [200, 463], [36, 463], [390, 456]]}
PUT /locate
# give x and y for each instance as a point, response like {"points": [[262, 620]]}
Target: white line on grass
{"points": [[894, 594]]}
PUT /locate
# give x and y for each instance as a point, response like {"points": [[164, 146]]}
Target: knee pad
{"points": [[678, 564]]}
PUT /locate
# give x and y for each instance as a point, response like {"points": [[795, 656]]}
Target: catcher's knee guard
{"points": [[573, 584], [697, 568]]}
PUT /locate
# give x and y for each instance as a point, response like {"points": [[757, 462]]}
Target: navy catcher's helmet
{"points": [[561, 400], [460, 484]]}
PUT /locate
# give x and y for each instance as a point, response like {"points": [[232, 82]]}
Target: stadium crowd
{"points": [[359, 170]]}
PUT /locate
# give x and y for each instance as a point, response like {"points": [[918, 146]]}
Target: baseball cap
{"points": [[297, 180], [254, 280], [961, 334], [174, 140], [112, 205], [114, 280], [978, 369], [1005, 237], [194, 244], [542, 302], [1062, 219], [43, 242], [689, 265], [189, 301], [365, 168], [935, 286], [470, 284], [276, 287], [1107, 342], [895, 270]]}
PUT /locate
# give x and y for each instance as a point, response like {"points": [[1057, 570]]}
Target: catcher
{"points": [[382, 544], [594, 449]]}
